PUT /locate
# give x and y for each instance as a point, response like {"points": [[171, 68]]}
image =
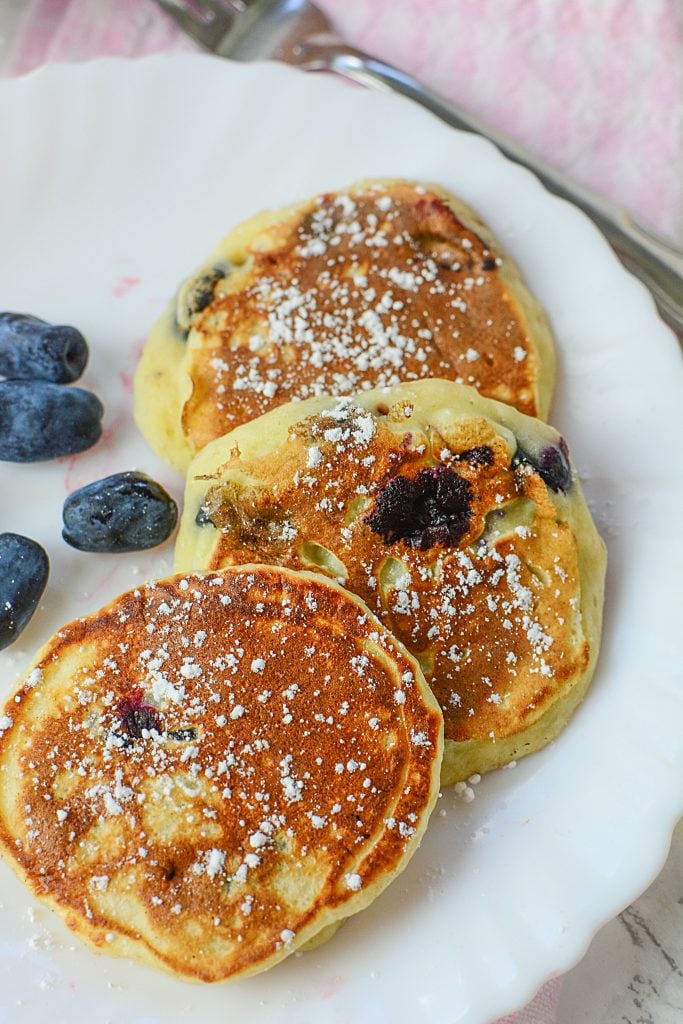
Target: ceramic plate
{"points": [[116, 178]]}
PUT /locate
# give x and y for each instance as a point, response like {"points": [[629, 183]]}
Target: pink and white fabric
{"points": [[595, 88]]}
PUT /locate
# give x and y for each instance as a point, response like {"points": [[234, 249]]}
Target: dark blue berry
{"points": [[41, 421], [183, 735], [430, 508], [137, 716], [481, 455], [197, 297], [202, 518], [124, 512], [31, 349], [24, 569], [551, 463]]}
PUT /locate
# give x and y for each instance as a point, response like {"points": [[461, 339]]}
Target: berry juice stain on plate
{"points": [[124, 286]]}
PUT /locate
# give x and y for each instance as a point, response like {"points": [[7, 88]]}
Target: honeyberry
{"points": [[31, 349], [123, 512], [24, 569], [41, 421], [551, 463], [431, 508]]}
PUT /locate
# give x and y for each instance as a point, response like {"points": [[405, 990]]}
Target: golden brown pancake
{"points": [[214, 770], [380, 283], [458, 520]]}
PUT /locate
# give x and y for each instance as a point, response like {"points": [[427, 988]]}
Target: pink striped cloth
{"points": [[596, 88]]}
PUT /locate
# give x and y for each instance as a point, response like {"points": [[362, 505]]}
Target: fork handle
{"points": [[658, 264]]}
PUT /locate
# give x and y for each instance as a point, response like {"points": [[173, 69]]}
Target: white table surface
{"points": [[633, 970]]}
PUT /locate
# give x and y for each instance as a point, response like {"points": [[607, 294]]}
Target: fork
{"points": [[299, 33]]}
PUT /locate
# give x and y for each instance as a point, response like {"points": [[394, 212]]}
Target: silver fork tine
{"points": [[211, 9], [250, 29], [236, 28], [236, 6], [205, 22]]}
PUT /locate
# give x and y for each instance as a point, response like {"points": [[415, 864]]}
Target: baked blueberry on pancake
{"points": [[458, 520], [381, 283], [215, 769]]}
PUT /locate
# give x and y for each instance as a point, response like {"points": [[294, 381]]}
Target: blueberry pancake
{"points": [[215, 770], [380, 283], [458, 520]]}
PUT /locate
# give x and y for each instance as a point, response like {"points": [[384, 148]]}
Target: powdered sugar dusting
{"points": [[489, 608], [166, 767], [372, 288]]}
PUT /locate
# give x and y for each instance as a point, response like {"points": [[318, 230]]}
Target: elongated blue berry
{"points": [[24, 569], [124, 512], [31, 349], [40, 421]]}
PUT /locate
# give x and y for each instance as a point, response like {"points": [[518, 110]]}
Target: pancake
{"points": [[459, 521], [367, 287], [215, 770]]}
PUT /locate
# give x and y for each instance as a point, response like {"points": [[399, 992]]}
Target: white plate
{"points": [[116, 178]]}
